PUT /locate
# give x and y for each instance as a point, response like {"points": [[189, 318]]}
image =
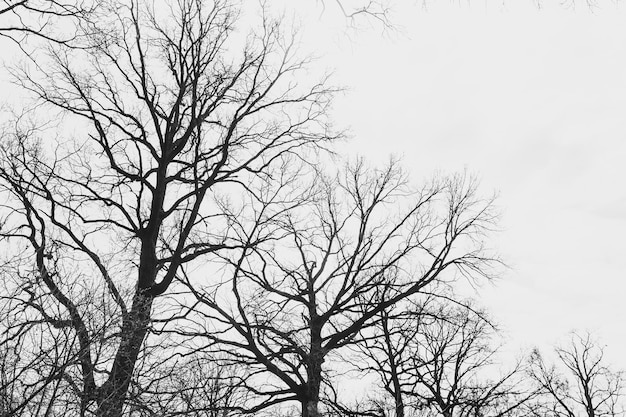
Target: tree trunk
{"points": [[310, 406], [134, 329], [310, 409], [393, 367], [446, 411], [399, 404], [135, 324]]}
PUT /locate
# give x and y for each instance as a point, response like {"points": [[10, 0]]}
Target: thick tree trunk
{"points": [[135, 326], [310, 409], [310, 406], [134, 329]]}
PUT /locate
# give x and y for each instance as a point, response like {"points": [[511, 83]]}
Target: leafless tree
{"points": [[328, 266], [391, 351], [197, 386], [167, 108], [439, 359], [580, 384]]}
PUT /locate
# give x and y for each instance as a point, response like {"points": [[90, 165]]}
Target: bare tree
{"points": [[327, 267], [580, 384], [191, 386], [166, 107], [438, 359]]}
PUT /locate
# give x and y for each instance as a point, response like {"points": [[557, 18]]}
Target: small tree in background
{"points": [[580, 383], [440, 359]]}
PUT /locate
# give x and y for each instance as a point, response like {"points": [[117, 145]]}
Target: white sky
{"points": [[532, 101]]}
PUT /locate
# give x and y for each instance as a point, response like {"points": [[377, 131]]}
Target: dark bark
{"points": [[134, 329], [315, 358], [310, 407]]}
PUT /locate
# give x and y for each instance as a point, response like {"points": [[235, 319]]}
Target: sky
{"points": [[531, 100]]}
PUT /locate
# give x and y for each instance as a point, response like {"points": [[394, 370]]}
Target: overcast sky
{"points": [[532, 101]]}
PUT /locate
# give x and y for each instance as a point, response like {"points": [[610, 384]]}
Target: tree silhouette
{"points": [[580, 384], [435, 358], [327, 267], [170, 108]]}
